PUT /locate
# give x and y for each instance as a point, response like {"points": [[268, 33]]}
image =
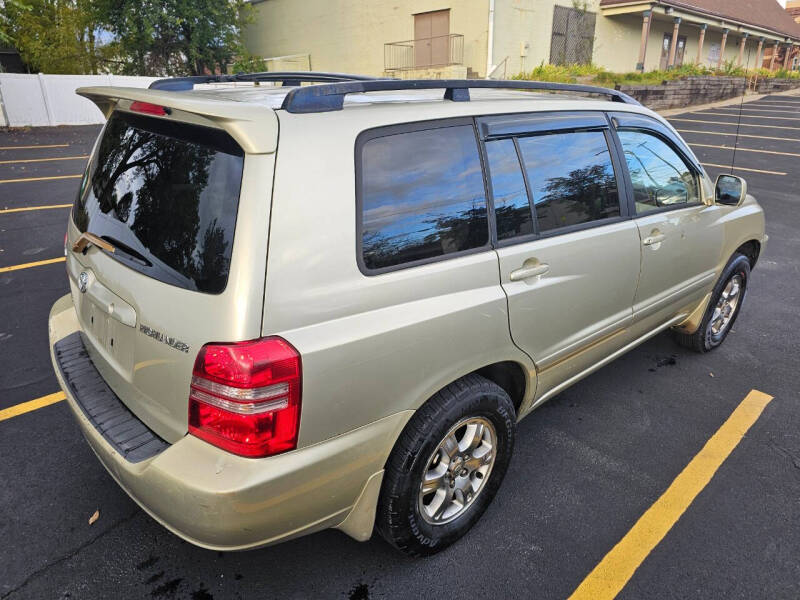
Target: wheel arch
{"points": [[751, 249]]}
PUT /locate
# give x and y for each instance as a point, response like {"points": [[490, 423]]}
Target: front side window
{"points": [[571, 177], [659, 175], [422, 196]]}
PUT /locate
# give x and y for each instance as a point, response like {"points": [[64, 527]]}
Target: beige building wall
{"points": [[349, 35]]}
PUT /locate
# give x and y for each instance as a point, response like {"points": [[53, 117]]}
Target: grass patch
{"points": [[593, 74]]}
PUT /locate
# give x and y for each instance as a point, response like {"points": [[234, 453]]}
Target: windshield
{"points": [[166, 195]]}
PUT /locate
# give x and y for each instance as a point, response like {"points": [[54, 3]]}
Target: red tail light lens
{"points": [[245, 397], [148, 109]]}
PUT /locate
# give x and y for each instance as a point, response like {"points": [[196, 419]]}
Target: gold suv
{"points": [[314, 300]]}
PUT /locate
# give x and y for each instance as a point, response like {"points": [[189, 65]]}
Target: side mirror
{"points": [[730, 190]]}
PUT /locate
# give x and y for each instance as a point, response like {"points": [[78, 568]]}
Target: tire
{"points": [[712, 332], [406, 518]]}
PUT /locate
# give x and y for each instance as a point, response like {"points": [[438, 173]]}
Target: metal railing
{"points": [[437, 51]]}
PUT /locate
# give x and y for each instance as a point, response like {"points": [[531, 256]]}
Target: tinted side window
{"points": [[571, 178], [659, 175], [422, 196], [511, 207]]}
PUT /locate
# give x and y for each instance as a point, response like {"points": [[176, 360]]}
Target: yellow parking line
{"points": [[20, 409], [40, 178], [31, 147], [744, 135], [736, 114], [740, 124], [38, 263], [746, 149], [617, 567], [773, 104], [35, 160], [13, 210], [791, 112], [705, 164]]}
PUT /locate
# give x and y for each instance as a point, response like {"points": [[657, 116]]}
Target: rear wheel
{"points": [[447, 466], [723, 308]]}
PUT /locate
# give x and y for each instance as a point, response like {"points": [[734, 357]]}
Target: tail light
{"points": [[245, 397]]}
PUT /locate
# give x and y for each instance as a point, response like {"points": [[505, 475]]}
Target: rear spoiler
{"points": [[253, 126]]}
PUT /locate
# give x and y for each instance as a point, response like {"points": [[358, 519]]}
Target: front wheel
{"points": [[723, 308], [447, 466]]}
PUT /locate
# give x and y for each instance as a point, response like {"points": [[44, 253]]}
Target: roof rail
{"points": [[286, 78], [330, 97]]}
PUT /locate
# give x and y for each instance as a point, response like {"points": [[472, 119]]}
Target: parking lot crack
{"points": [[784, 452], [41, 571]]}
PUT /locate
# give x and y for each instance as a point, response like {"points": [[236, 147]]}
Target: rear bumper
{"points": [[224, 502]]}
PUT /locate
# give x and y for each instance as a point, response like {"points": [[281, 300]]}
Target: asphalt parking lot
{"points": [[587, 465]]}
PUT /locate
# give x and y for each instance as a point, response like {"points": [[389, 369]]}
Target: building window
{"points": [[572, 40]]}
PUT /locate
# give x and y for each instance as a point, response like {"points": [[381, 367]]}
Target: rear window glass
{"points": [[422, 196], [571, 178], [165, 194]]}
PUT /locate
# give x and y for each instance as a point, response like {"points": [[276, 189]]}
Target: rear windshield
{"points": [[165, 194]]}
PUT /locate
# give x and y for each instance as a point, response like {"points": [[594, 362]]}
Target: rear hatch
{"points": [[167, 243]]}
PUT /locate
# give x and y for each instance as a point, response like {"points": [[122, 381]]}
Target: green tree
{"points": [[9, 8], [176, 37], [56, 36]]}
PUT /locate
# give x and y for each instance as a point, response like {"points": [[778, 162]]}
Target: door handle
{"points": [[528, 272], [656, 238]]}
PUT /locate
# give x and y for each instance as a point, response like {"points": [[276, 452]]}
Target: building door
{"points": [[679, 51], [432, 38]]}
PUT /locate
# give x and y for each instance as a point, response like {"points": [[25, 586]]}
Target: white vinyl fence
{"points": [[35, 100]]}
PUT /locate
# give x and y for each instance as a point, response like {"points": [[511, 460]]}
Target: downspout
{"points": [[490, 41]]}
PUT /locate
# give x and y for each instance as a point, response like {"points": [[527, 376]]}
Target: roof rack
{"points": [[285, 78], [330, 97]]}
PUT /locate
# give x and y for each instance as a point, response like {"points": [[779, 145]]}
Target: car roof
{"points": [[273, 96]]}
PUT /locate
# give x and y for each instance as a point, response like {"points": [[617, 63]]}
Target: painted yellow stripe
{"points": [[36, 160], [767, 110], [705, 164], [746, 149], [13, 210], [31, 147], [772, 104], [736, 114], [617, 567], [40, 178], [741, 124], [21, 409], [744, 135], [38, 263]]}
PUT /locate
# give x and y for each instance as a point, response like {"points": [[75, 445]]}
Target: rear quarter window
{"points": [[421, 197]]}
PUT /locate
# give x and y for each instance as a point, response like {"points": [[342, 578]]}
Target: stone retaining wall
{"points": [[700, 90]]}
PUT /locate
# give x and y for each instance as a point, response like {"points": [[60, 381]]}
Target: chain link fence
{"points": [[572, 41]]}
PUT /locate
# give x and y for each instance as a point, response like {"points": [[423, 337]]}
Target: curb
{"points": [[749, 97]]}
